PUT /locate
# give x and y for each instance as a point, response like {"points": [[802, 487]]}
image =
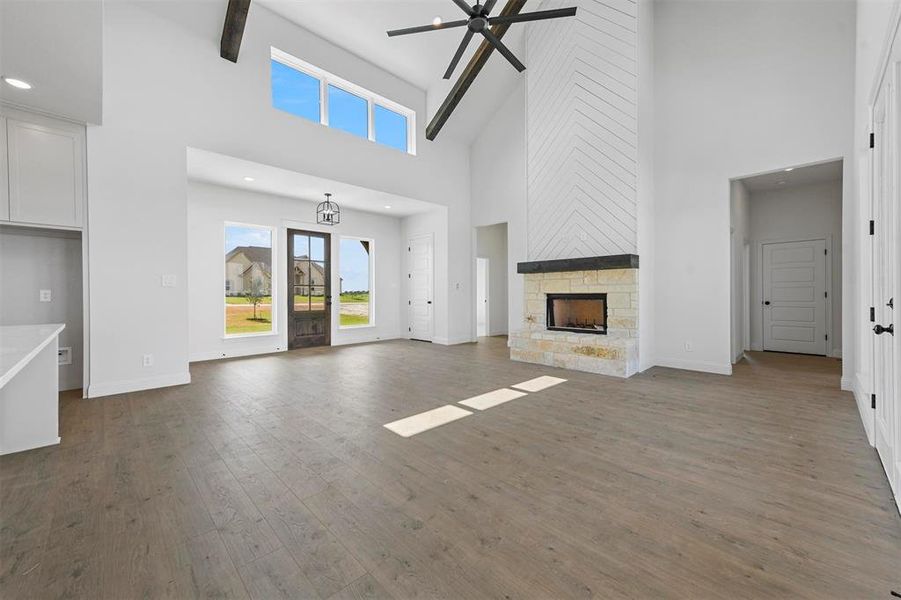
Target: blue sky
{"points": [[237, 235], [354, 262], [298, 93]]}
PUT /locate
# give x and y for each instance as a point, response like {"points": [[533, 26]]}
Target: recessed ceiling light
{"points": [[17, 83], [436, 21], [387, 206], [789, 169], [249, 179]]}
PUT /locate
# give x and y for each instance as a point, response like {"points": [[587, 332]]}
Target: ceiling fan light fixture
{"points": [[436, 21]]}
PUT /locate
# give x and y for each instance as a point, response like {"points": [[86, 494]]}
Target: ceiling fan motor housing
{"points": [[478, 24]]}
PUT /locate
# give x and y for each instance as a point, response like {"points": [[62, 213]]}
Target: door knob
{"points": [[767, 302], [879, 329]]}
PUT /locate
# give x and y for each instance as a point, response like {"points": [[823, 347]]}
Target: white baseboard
{"points": [[861, 392], [757, 347], [443, 341], [836, 353], [365, 339], [219, 355], [96, 390], [695, 365]]}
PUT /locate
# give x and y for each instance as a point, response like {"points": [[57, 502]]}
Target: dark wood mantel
{"points": [[589, 263]]}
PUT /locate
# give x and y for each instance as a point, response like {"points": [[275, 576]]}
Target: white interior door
{"points": [[794, 297], [886, 234], [420, 251], [482, 271]]}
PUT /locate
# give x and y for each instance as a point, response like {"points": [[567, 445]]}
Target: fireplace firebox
{"points": [[582, 313]]}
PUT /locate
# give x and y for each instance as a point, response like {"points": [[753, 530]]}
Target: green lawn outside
{"points": [[351, 320], [239, 312]]}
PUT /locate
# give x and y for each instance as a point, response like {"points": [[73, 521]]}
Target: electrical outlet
{"points": [[44, 296], [64, 356], [168, 280], [688, 347], [148, 360]]}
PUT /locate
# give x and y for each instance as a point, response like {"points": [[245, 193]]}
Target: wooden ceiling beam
{"points": [[233, 30], [478, 60]]}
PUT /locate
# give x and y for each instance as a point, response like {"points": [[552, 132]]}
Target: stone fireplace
{"points": [[581, 314]]}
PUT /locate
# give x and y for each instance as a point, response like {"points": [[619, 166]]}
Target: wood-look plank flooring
{"points": [[273, 477]]}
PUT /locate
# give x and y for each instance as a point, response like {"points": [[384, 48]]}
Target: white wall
{"points": [[491, 243], [42, 259], [210, 206], [740, 88], [797, 213], [498, 168], [166, 88], [741, 235]]}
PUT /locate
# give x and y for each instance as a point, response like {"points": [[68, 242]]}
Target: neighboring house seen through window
{"points": [[248, 279]]}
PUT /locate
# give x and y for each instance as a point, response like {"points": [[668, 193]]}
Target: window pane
{"points": [[317, 248], [295, 92], [248, 279], [301, 298], [348, 112], [390, 128], [317, 297], [355, 282], [301, 246]]}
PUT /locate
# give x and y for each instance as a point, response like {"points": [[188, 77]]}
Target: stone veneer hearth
{"points": [[613, 354]]}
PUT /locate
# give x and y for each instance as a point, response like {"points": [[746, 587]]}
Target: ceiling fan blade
{"points": [[538, 15], [463, 6], [489, 4], [458, 54], [422, 28], [502, 48]]}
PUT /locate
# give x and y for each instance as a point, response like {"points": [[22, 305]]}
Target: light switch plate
{"points": [[45, 296]]}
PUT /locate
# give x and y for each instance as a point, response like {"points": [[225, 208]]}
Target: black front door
{"points": [[309, 282]]}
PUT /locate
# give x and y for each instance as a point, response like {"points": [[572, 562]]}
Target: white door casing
{"points": [[794, 296], [482, 301], [420, 264], [886, 245]]}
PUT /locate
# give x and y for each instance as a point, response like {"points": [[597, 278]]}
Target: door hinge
{"points": [[409, 329], [872, 140], [827, 337], [825, 294], [872, 227], [872, 314], [825, 251], [409, 302], [873, 401], [408, 249], [409, 276]]}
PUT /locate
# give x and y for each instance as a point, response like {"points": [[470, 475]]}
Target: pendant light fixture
{"points": [[328, 212]]}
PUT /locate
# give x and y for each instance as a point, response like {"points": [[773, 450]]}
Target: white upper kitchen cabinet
{"points": [[46, 172]]}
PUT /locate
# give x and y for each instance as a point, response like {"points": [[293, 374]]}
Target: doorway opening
{"points": [[786, 282], [491, 274]]}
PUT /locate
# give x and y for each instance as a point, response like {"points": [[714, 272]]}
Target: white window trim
{"points": [[273, 285], [325, 79], [371, 281]]}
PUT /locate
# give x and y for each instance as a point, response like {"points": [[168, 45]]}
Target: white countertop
{"points": [[19, 344]]}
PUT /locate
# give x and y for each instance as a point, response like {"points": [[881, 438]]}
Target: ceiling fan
{"points": [[479, 21]]}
